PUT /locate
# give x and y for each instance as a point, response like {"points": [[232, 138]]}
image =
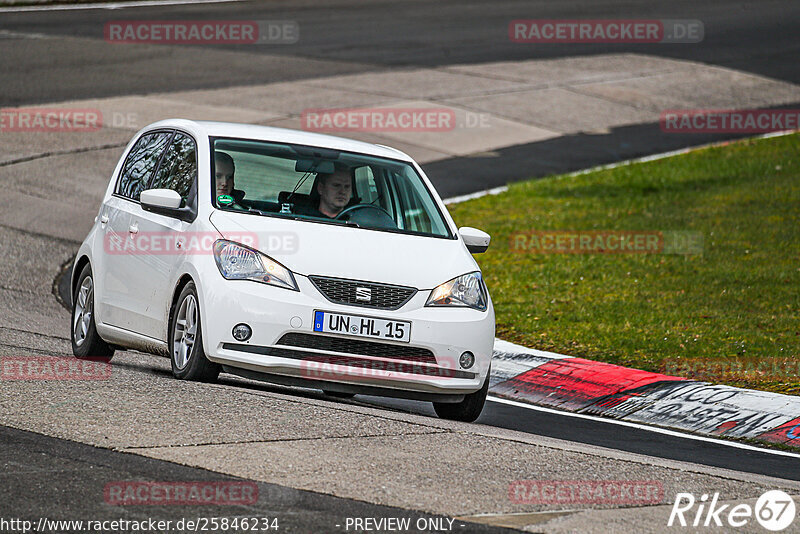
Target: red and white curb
{"points": [[596, 388]]}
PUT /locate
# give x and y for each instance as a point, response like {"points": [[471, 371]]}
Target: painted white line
{"points": [[734, 444], [679, 152], [8, 34], [463, 198], [643, 159], [110, 5]]}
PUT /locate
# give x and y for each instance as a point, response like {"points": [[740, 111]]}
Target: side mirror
{"points": [[477, 241], [166, 202], [160, 198]]}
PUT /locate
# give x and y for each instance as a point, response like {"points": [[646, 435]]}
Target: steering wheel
{"points": [[382, 218]]}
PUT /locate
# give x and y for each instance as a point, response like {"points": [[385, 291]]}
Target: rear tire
{"points": [[467, 410], [188, 360], [86, 342]]}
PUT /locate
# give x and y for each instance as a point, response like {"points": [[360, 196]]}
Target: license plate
{"points": [[361, 326]]}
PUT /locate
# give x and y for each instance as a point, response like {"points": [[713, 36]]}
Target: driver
{"points": [[335, 192]]}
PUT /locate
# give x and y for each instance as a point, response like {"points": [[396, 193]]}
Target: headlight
{"points": [[465, 290], [237, 262]]}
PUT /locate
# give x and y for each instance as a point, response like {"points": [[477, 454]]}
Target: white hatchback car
{"points": [[286, 256]]}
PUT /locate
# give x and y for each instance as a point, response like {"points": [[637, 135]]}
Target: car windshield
{"points": [[322, 185]]}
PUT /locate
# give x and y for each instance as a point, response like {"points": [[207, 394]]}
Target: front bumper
{"points": [[273, 312]]}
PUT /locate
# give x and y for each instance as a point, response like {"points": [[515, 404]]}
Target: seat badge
{"points": [[363, 294]]}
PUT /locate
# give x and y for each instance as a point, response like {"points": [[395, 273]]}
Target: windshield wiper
{"points": [[335, 221]]}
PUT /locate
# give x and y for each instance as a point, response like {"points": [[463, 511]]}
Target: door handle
{"points": [[134, 229], [103, 219]]}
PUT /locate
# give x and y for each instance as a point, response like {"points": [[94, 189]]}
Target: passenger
{"points": [[224, 170]]}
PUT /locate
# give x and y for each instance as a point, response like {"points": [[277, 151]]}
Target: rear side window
{"points": [[178, 170], [140, 164]]}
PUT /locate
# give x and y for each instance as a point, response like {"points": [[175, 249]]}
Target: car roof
{"points": [[282, 135]]}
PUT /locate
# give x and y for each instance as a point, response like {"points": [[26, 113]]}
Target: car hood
{"points": [[309, 248]]}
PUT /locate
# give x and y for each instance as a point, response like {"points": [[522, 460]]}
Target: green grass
{"points": [[738, 300]]}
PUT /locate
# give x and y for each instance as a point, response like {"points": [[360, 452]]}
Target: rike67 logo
{"points": [[774, 510]]}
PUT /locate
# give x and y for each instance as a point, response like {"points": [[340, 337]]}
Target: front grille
{"points": [[380, 296], [357, 346]]}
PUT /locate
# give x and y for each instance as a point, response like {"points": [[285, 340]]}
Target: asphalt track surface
{"points": [[612, 436], [59, 479], [359, 36], [350, 36], [347, 37]]}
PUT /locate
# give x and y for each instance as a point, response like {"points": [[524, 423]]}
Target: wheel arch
{"points": [[183, 281], [80, 263]]}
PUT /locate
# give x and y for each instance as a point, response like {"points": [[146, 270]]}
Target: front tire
{"points": [[188, 360], [86, 342], [467, 410]]}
